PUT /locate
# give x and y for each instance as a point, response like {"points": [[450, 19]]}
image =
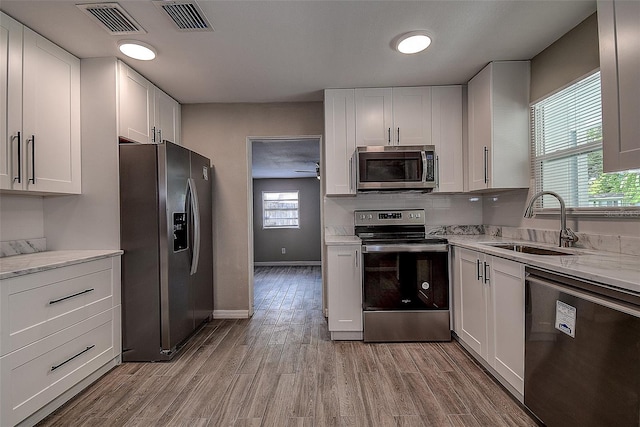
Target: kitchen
{"points": [[219, 130]]}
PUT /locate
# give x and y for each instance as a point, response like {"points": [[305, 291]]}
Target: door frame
{"points": [[250, 254]]}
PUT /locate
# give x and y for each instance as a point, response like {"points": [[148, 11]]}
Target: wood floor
{"points": [[279, 368]]}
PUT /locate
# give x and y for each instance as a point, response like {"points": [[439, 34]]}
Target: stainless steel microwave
{"points": [[396, 167]]}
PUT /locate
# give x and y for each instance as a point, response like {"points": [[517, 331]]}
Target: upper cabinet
{"points": [[339, 142], [446, 136], [619, 36], [147, 114], [393, 116], [40, 113], [498, 116]]}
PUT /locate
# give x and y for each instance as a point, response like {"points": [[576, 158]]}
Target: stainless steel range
{"points": [[405, 277]]}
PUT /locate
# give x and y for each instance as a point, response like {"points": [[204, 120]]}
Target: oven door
{"points": [[405, 277]]}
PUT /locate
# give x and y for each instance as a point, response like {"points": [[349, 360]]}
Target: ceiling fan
{"points": [[316, 170]]}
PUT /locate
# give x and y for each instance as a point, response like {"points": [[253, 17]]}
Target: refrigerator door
{"points": [[202, 271], [176, 320]]}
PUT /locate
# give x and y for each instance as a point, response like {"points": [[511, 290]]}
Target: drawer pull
{"points": [[53, 368], [70, 296]]}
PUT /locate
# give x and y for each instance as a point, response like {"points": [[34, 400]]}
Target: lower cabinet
{"points": [[60, 330], [344, 288], [489, 312]]}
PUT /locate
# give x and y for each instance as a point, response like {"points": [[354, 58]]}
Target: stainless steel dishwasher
{"points": [[582, 352]]}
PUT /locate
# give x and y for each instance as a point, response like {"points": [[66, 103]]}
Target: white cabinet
{"points": [[344, 288], [489, 312], [446, 136], [58, 327], [393, 116], [147, 114], [619, 36], [40, 114], [339, 142], [498, 98]]}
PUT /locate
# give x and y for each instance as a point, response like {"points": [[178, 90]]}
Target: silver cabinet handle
{"points": [[19, 177], [389, 137], [33, 159], [486, 273], [486, 165], [356, 258], [54, 367], [70, 296], [479, 274], [195, 209], [398, 143], [153, 134], [159, 136]]}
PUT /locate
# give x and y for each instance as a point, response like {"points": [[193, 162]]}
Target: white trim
{"points": [[230, 314], [287, 263]]}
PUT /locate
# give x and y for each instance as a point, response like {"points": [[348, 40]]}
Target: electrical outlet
{"points": [[284, 251]]}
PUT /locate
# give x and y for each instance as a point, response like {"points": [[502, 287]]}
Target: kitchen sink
{"points": [[526, 249]]}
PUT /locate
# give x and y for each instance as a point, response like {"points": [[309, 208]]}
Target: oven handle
{"points": [[405, 248]]}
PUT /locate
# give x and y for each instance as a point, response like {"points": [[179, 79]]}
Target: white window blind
{"points": [[566, 134], [280, 209]]}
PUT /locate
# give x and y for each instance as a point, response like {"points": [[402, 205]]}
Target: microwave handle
{"points": [[423, 154]]}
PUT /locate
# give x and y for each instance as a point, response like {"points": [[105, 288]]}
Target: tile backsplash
{"points": [[21, 247]]}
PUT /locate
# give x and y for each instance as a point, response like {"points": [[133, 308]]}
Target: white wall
{"points": [[21, 217], [91, 220]]}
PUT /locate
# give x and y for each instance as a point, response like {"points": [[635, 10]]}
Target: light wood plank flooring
{"points": [[279, 368]]}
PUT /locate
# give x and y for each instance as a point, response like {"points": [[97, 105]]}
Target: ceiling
{"points": [[285, 158], [282, 51]]}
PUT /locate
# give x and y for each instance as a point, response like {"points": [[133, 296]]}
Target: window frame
{"points": [[264, 210], [616, 212]]}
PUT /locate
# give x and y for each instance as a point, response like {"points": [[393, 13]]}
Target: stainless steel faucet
{"points": [[567, 236]]}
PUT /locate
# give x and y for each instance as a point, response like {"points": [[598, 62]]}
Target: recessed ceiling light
{"points": [[413, 42], [137, 50]]}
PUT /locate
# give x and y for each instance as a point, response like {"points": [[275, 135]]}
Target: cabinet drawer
{"points": [[38, 373], [37, 305]]}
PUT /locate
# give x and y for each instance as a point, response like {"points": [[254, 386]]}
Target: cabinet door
{"points": [[340, 141], [344, 288], [10, 103], [446, 131], [619, 35], [473, 319], [167, 118], [479, 94], [506, 330], [411, 116], [51, 116], [136, 105], [374, 117]]}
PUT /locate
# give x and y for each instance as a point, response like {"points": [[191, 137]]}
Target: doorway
{"points": [[286, 207]]}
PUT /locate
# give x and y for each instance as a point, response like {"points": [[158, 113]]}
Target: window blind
{"points": [[566, 135], [280, 209]]}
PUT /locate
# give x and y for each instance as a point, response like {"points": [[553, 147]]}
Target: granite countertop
{"points": [[609, 268], [19, 265], [336, 240]]}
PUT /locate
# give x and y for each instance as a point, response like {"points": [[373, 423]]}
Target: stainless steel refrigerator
{"points": [[166, 235]]}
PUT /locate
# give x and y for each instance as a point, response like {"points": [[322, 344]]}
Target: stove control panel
{"points": [[389, 217]]}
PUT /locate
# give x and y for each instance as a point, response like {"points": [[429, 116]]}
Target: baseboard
{"points": [[230, 314], [287, 263]]}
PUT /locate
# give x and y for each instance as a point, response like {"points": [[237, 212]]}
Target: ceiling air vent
{"points": [[186, 15], [112, 17]]}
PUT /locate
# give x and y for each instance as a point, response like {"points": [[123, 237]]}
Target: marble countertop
{"points": [[609, 268], [335, 240], [19, 265]]}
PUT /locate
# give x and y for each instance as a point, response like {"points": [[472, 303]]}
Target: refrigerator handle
{"points": [[196, 224]]}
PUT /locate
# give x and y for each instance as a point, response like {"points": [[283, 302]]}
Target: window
{"points": [[280, 209], [566, 131]]}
